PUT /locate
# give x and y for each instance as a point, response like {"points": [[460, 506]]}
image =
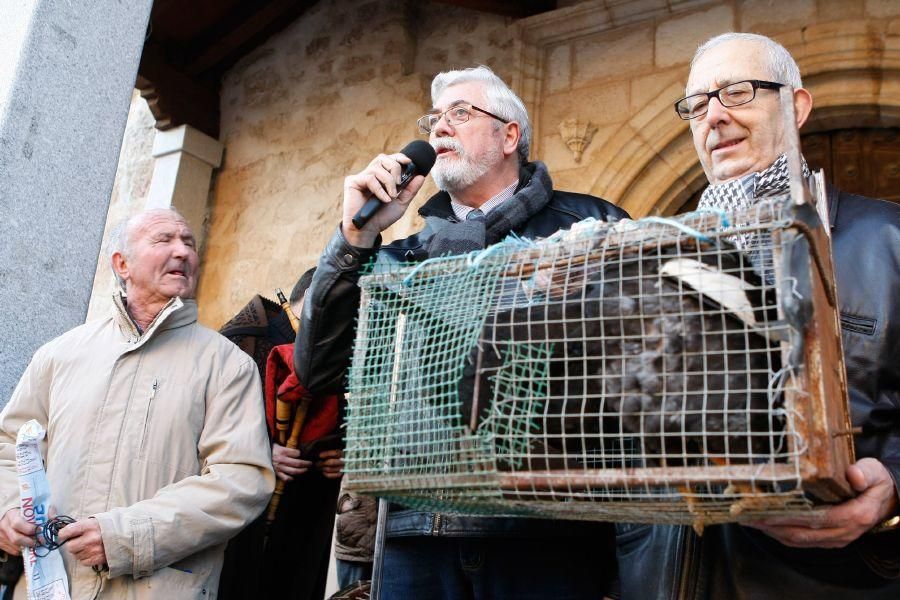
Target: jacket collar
{"points": [[176, 313]]}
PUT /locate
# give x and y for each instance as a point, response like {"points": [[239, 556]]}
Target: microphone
{"points": [[421, 156]]}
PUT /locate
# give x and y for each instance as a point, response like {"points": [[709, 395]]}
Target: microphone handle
{"points": [[373, 204]]}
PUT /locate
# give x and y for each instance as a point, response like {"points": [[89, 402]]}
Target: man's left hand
{"points": [[85, 542], [843, 523]]}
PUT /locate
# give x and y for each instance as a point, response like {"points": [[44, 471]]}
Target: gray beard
{"points": [[456, 175]]}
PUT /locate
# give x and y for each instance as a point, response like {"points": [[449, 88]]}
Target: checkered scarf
{"points": [[739, 195]]}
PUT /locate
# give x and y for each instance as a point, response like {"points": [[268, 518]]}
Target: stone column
{"points": [[66, 77], [185, 159]]}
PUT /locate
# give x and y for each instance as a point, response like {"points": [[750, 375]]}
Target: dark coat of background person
{"points": [[293, 563]]}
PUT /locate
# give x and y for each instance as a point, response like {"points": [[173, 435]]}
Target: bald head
{"points": [[154, 258], [121, 235], [778, 63], [734, 140]]}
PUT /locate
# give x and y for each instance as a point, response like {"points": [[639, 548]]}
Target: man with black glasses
{"points": [[481, 132], [732, 105]]}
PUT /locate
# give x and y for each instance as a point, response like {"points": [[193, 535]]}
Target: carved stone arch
{"points": [[648, 166], [834, 108], [649, 163]]}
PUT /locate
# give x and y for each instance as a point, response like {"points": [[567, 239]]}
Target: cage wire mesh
{"points": [[639, 371]]}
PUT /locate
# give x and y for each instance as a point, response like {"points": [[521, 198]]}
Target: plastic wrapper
{"points": [[46, 575]]}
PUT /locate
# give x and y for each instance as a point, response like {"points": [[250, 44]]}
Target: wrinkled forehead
{"points": [[726, 63], [470, 92], [162, 224]]}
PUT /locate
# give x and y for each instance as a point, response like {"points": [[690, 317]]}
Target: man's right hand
{"points": [[15, 532], [380, 179], [287, 462]]}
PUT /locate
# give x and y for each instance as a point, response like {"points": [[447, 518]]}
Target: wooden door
{"points": [[862, 161]]}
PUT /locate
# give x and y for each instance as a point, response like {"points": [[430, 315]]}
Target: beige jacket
{"points": [[160, 436]]}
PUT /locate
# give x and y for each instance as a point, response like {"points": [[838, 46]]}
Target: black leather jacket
{"points": [[734, 562], [322, 352]]}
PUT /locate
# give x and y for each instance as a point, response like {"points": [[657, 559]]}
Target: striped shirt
{"points": [[461, 210]]}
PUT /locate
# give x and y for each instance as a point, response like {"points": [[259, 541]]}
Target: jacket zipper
{"points": [[153, 389], [436, 524]]}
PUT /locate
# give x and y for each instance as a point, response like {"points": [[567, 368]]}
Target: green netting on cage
{"points": [[520, 394], [409, 367], [608, 372]]}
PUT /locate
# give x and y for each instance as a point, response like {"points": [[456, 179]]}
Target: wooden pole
{"points": [[295, 322], [282, 416], [292, 443], [284, 409]]}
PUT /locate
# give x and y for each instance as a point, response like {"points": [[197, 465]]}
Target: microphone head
{"points": [[421, 154]]}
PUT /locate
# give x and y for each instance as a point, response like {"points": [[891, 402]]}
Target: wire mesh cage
{"points": [[680, 370]]}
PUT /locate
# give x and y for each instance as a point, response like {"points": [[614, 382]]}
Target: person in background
{"points": [[298, 549], [306, 511], [354, 542]]}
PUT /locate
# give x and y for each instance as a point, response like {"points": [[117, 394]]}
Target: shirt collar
{"points": [[461, 210]]}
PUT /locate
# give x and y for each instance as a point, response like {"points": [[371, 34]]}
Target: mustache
{"points": [[447, 143]]}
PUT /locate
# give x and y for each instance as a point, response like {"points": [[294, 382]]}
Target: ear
{"points": [[511, 139], [119, 265], [802, 105]]}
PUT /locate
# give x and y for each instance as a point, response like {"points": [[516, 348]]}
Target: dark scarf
{"points": [[451, 238]]}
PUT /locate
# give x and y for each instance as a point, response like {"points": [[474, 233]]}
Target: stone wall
{"points": [[133, 175], [621, 65], [316, 103], [347, 81]]}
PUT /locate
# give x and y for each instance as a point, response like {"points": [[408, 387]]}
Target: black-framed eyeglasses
{"points": [[456, 115], [733, 94]]}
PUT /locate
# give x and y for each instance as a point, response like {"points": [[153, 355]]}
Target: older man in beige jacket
{"points": [[156, 442]]}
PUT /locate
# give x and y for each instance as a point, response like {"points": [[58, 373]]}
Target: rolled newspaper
{"points": [[46, 575]]}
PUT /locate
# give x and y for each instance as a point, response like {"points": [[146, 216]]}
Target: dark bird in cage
{"points": [[660, 357]]}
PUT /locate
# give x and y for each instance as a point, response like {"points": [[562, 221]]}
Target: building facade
{"points": [[348, 79]]}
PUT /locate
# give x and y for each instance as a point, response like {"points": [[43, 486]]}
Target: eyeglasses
{"points": [[734, 94], [456, 115]]}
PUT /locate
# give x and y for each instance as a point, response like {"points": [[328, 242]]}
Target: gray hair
{"points": [[501, 100], [781, 65], [119, 240]]}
